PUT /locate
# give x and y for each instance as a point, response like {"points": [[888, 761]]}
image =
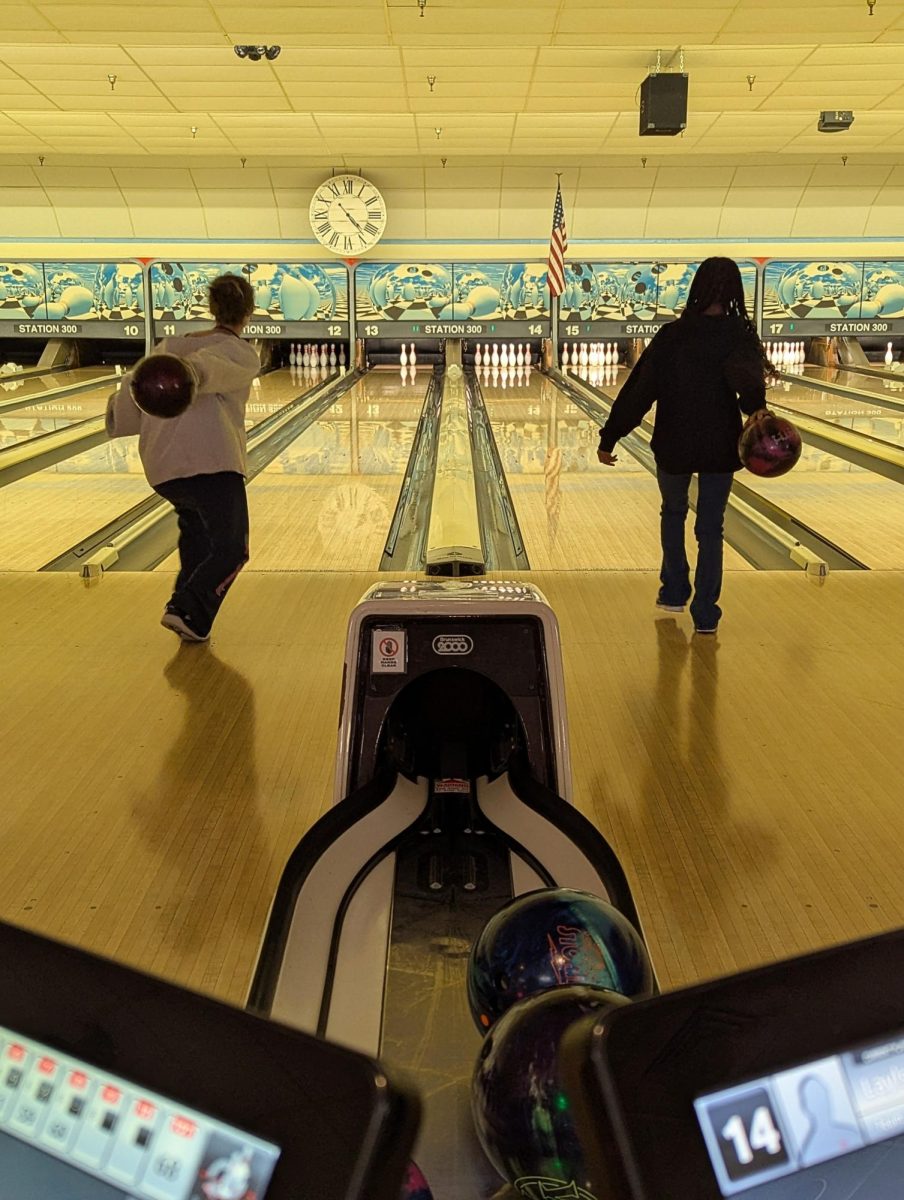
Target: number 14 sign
{"points": [[745, 1137]]}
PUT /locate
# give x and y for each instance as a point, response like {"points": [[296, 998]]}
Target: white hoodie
{"points": [[210, 435]]}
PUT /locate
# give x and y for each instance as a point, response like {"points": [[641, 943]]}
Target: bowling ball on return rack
{"points": [[522, 1112], [163, 385], [552, 938], [769, 446]]}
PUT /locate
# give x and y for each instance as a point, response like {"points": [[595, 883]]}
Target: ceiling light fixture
{"points": [[256, 53]]}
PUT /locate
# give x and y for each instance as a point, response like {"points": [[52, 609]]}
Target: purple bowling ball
{"points": [[770, 446], [522, 1112]]}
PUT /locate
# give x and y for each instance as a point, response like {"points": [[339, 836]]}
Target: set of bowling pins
{"points": [[502, 355], [312, 355], [504, 377], [589, 354], [786, 354], [10, 368]]}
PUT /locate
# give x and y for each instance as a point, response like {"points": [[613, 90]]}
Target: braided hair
{"points": [[231, 299], [718, 281]]}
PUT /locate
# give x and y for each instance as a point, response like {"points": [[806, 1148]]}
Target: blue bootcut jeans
{"points": [[712, 497]]}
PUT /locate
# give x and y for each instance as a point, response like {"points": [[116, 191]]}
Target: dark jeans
{"points": [[213, 541], [712, 497]]}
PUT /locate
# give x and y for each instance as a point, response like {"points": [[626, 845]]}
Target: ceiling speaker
{"points": [[834, 122], [663, 104]]}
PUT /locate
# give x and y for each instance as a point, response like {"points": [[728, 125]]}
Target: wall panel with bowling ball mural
{"points": [[291, 299], [830, 297], [631, 299], [474, 299], [72, 299]]}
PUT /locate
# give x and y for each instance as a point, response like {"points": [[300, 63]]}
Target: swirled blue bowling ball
{"points": [[552, 938], [415, 1186], [521, 1108], [770, 446]]}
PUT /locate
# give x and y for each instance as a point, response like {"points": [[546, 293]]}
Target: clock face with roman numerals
{"points": [[348, 214]]}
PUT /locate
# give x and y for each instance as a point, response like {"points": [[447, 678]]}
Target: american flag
{"points": [[558, 246]]}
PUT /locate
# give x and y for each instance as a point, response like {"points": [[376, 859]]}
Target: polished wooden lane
{"points": [[45, 513], [326, 503], [858, 510], [574, 514], [751, 783], [35, 385]]}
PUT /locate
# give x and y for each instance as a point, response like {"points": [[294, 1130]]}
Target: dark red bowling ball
{"points": [[769, 446], [416, 1186], [163, 385]]}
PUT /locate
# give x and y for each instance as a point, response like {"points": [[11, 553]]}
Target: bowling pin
{"points": [[511, 354], [324, 357], [403, 357], [412, 357], [584, 357], [520, 355], [292, 356], [565, 355], [503, 355], [889, 357], [342, 355], [333, 359], [486, 354], [495, 354], [477, 358]]}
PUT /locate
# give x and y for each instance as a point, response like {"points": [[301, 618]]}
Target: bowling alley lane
{"points": [[859, 511], [47, 415], [326, 503], [48, 511], [574, 514], [33, 386]]}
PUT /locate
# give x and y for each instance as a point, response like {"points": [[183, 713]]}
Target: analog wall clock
{"points": [[347, 214]]}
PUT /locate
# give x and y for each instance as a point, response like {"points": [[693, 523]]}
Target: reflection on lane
{"points": [[326, 503], [858, 510], [48, 511], [574, 513], [47, 381], [868, 416]]}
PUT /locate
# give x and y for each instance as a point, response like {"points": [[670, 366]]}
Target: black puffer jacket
{"points": [[702, 373]]}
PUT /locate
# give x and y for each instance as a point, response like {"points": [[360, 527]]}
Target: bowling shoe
{"points": [[180, 623]]}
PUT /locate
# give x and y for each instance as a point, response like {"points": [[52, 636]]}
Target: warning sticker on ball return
{"points": [[388, 652]]}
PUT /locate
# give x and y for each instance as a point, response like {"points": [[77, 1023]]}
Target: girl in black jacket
{"points": [[702, 371]]}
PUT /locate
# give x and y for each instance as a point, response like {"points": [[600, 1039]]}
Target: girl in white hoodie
{"points": [[197, 460]]}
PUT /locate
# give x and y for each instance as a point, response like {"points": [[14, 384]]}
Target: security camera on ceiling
{"points": [[256, 53], [834, 122]]}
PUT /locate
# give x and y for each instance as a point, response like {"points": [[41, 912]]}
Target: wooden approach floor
{"points": [[751, 784]]}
